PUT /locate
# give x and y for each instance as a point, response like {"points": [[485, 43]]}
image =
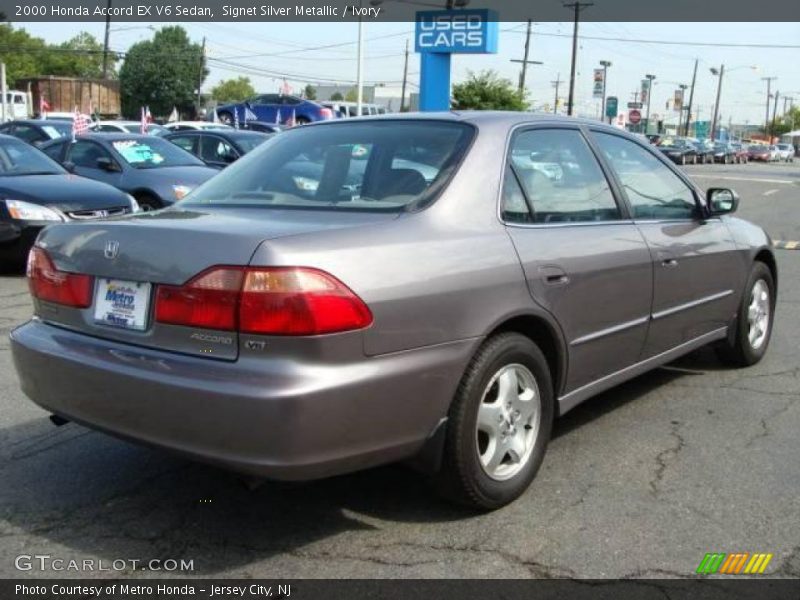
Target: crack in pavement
{"points": [[666, 456]]}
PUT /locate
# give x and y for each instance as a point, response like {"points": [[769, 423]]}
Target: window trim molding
{"points": [[621, 202]]}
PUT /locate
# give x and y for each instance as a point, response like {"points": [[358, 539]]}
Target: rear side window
{"points": [[384, 165], [187, 142], [561, 177], [654, 191]]}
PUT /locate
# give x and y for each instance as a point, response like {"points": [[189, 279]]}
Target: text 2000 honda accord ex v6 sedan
{"points": [[358, 292]]}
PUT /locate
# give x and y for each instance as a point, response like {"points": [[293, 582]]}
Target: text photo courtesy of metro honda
{"points": [[319, 305]]}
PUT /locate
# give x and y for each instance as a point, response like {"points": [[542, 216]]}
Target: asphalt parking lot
{"points": [[641, 481]]}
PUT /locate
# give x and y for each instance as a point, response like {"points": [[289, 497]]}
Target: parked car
{"points": [[275, 108], [679, 150], [261, 126], [37, 131], [705, 151], [741, 154], [724, 153], [36, 191], [759, 152], [128, 127], [350, 109], [195, 126], [655, 138], [154, 171], [298, 334], [218, 148], [785, 152]]}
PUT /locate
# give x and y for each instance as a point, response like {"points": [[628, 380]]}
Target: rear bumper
{"points": [[267, 417]]}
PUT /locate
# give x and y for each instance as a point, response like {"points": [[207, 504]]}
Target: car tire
{"points": [[148, 202], [683, 159], [225, 117], [694, 160], [488, 463], [748, 342], [302, 120]]}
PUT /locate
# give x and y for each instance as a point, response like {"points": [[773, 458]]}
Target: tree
{"points": [[162, 73], [233, 90], [82, 56], [487, 91], [22, 53], [787, 122], [351, 95], [337, 97], [310, 92]]}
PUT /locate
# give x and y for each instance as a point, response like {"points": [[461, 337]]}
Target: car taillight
{"points": [[47, 283], [326, 113], [209, 300], [268, 301]]}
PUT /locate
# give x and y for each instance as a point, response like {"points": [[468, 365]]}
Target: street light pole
{"points": [[105, 44], [605, 64], [691, 99], [650, 78], [720, 74], [360, 67], [682, 87]]}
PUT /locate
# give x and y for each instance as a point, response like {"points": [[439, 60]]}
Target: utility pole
{"points": [[105, 44], [525, 62], [556, 85], [577, 7], [405, 79], [649, 78], [683, 87], [605, 64], [769, 81], [200, 74], [3, 91], [774, 115], [720, 73], [691, 99]]}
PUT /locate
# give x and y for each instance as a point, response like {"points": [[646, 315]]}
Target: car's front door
{"points": [[584, 259], [696, 268]]}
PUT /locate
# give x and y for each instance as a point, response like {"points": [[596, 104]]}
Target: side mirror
{"points": [[722, 201], [106, 164]]}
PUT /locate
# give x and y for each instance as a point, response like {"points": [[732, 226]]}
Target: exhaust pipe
{"points": [[58, 421]]}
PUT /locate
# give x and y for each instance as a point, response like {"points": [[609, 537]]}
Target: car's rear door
{"points": [[583, 258], [695, 264]]}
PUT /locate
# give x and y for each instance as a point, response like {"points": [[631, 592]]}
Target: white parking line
{"points": [[770, 192], [781, 181]]}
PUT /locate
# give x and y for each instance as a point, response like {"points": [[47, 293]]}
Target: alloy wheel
{"points": [[508, 422], [758, 314]]}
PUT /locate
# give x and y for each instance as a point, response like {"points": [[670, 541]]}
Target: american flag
{"points": [[249, 115], [44, 106], [278, 117], [235, 119], [292, 121], [143, 122], [286, 89], [80, 124]]}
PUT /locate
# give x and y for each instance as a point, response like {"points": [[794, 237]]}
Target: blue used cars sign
{"points": [[457, 31]]}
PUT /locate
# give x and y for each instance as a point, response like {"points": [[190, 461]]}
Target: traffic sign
{"points": [[636, 105], [611, 106], [634, 116]]}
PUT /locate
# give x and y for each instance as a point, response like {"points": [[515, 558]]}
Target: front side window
{"points": [[85, 154], [385, 165], [217, 150], [561, 177], [654, 191]]}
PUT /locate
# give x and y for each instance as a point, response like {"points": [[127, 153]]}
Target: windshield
{"points": [[153, 153], [249, 142], [18, 158], [383, 165]]}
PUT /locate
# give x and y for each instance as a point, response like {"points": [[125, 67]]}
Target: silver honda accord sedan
{"points": [[431, 287]]}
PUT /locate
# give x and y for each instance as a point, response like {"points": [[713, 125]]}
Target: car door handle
{"points": [[554, 275], [669, 262]]}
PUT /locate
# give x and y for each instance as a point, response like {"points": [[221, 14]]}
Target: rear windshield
{"points": [[382, 165]]}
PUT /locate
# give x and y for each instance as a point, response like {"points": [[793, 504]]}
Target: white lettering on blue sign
{"points": [[456, 31]]}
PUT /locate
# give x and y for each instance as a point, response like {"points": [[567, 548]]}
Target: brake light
{"points": [[210, 300], [47, 283], [268, 301], [326, 113]]}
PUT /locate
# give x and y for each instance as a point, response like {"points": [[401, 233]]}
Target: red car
{"points": [[759, 152], [742, 153]]}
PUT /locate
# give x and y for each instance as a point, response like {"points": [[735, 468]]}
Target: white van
{"points": [[16, 105]]}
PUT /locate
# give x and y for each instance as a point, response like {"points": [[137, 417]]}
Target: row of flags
{"points": [[249, 115]]}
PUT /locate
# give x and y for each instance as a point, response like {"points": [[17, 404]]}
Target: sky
{"points": [[290, 49]]}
